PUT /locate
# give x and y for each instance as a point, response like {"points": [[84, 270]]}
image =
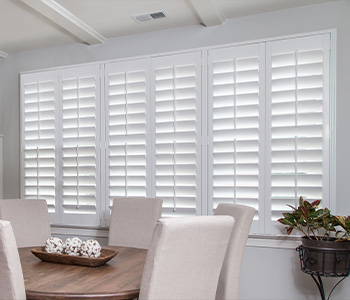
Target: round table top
{"points": [[119, 278]]}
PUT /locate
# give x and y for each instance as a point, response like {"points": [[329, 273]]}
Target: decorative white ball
{"points": [[72, 246], [54, 245], [90, 248]]}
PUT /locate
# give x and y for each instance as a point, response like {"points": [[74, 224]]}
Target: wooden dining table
{"points": [[119, 278]]}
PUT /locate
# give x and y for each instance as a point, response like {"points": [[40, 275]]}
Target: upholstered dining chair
{"points": [[185, 258], [29, 219], [228, 285], [11, 276], [133, 221]]}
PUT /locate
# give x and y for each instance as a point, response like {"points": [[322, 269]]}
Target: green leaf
{"points": [[307, 204], [320, 214], [286, 222], [289, 216]]}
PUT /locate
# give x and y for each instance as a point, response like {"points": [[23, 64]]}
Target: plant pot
{"points": [[325, 258]]}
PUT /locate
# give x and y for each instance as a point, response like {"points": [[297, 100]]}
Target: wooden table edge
{"points": [[96, 296], [62, 295]]}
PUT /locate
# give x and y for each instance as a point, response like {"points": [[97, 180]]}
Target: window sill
{"points": [[257, 241], [274, 241], [98, 232]]}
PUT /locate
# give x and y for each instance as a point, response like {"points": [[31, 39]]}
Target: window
{"points": [[268, 127], [243, 124]]}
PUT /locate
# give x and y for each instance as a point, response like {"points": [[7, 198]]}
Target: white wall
{"points": [[274, 274], [268, 273]]}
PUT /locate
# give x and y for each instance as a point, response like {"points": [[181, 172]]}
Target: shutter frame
{"points": [[39, 93], [303, 159], [176, 111], [127, 128], [80, 145], [236, 142]]}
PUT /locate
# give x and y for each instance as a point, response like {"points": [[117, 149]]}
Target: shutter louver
{"points": [[80, 174], [176, 88], [38, 138], [234, 127], [127, 94], [298, 93]]}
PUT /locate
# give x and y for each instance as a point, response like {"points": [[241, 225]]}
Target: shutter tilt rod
{"points": [[296, 168], [174, 177], [78, 120], [126, 134], [37, 172], [37, 148], [126, 170], [174, 143], [77, 207]]}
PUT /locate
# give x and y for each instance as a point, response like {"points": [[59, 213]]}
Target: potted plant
{"points": [[325, 249]]}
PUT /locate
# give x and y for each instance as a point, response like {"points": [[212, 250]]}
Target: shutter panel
{"points": [[39, 93], [176, 93], [298, 104], [80, 142], [236, 128], [126, 126]]}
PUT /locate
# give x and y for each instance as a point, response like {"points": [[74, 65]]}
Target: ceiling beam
{"points": [[65, 19], [3, 54], [208, 12]]}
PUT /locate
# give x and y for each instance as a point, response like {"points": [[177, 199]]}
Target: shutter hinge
{"points": [[205, 141], [103, 145]]}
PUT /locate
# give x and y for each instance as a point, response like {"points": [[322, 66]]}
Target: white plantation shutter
{"points": [[176, 97], [80, 88], [235, 126], [39, 164], [251, 127], [126, 128], [298, 111]]}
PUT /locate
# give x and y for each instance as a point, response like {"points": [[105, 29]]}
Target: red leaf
{"points": [[315, 203], [301, 200]]}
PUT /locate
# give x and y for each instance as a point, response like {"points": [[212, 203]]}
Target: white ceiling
{"points": [[32, 24]]}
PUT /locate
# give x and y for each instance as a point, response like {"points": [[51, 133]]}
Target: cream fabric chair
{"points": [[29, 219], [11, 276], [228, 285], [185, 258], [133, 221]]}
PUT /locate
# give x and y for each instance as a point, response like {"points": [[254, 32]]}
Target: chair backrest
{"points": [[185, 258], [133, 221], [11, 276], [228, 285], [29, 219]]}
